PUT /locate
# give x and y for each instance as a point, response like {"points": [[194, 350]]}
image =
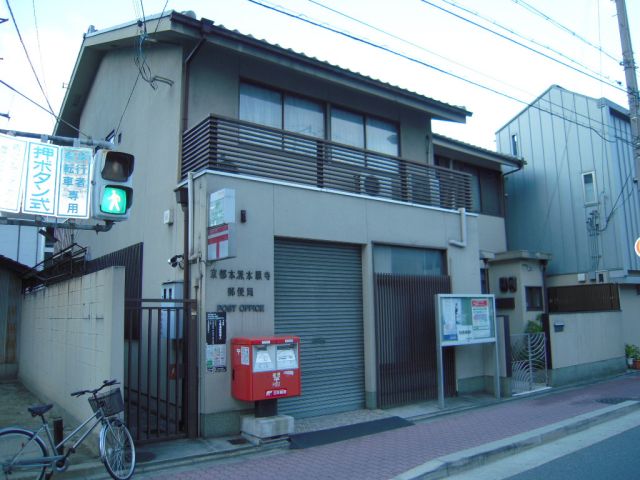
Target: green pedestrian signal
{"points": [[112, 185], [114, 201]]}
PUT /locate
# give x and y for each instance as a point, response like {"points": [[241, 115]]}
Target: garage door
{"points": [[318, 296]]}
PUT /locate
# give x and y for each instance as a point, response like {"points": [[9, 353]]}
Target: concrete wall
{"points": [[491, 234], [591, 345], [71, 338], [276, 210], [630, 311]]}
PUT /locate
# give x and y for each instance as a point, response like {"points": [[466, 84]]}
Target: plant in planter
{"points": [[632, 352]]}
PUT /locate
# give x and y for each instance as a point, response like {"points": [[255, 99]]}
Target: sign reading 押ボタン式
{"points": [[44, 179]]}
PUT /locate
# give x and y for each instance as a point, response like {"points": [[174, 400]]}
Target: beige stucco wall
{"points": [[150, 130], [630, 311], [528, 273], [72, 338], [277, 210], [586, 338], [491, 236]]}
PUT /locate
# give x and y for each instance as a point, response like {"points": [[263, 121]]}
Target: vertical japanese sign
{"points": [[42, 172], [216, 336], [43, 179], [12, 160], [75, 178]]}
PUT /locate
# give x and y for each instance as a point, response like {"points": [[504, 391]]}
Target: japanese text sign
{"points": [[44, 179]]}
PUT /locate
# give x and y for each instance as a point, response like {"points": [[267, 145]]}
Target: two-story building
{"points": [[350, 213]]}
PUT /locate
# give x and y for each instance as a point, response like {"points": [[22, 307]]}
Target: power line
{"points": [[43, 108], [135, 83], [437, 69], [557, 24], [35, 23], [535, 42], [28, 58], [549, 57], [373, 27], [415, 45]]}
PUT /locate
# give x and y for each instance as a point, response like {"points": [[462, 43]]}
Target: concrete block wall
{"points": [[72, 338]]}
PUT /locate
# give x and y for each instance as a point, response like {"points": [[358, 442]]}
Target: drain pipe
{"points": [[462, 243]]}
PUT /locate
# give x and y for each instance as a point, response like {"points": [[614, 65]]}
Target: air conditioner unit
{"points": [[367, 184], [582, 277]]}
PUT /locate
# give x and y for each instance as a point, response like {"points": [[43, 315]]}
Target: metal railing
{"points": [[244, 148]]}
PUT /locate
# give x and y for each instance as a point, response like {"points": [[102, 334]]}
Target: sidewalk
{"points": [[470, 432]]}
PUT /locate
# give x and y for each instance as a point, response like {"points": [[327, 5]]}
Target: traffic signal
{"points": [[112, 185]]}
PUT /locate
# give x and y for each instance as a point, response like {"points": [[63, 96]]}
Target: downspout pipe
{"points": [[462, 243]]}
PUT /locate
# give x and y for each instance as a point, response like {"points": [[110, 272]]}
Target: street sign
{"points": [[44, 179], [12, 161]]}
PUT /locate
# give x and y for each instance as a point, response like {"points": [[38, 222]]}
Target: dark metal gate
{"points": [[406, 339], [156, 362]]}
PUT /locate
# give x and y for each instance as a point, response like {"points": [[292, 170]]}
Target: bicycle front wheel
{"points": [[19, 454], [117, 450]]}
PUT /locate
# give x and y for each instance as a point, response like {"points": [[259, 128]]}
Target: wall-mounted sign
{"points": [[221, 242], [465, 319], [222, 207], [216, 346]]}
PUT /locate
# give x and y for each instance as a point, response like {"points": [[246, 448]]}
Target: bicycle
{"points": [[23, 450]]}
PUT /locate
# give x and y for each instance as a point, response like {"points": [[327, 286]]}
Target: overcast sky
{"points": [[434, 39]]}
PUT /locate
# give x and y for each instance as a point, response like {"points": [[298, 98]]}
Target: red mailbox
{"points": [[265, 368]]}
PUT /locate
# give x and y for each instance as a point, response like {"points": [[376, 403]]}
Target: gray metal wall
{"points": [[561, 136]]}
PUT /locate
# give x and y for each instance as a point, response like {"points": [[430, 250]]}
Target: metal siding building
{"points": [[564, 136]]}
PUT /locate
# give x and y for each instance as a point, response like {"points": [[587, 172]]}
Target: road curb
{"points": [[447, 465]]}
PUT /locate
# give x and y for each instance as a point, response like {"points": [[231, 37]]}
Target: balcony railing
{"points": [[244, 148]]}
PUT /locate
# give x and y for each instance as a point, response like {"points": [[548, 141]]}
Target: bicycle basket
{"points": [[111, 402]]}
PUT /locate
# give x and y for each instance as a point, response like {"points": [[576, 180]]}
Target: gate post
{"points": [[191, 367]]}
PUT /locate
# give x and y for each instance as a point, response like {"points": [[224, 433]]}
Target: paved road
{"points": [[609, 450], [616, 457]]}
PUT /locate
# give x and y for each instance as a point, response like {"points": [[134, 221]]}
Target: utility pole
{"points": [[632, 83]]}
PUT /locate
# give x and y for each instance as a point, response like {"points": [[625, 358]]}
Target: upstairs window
{"points": [[589, 188], [280, 110], [364, 132], [515, 150]]}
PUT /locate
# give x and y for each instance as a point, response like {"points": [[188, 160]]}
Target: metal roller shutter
{"points": [[318, 296]]}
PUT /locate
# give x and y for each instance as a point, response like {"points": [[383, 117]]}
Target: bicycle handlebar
{"points": [[106, 383]]}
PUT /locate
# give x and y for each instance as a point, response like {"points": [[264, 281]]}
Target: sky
{"points": [[418, 45]]}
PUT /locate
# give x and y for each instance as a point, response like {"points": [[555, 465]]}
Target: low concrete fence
{"points": [[586, 346], [72, 338]]}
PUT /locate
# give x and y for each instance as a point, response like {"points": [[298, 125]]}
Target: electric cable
{"points": [[44, 108], [425, 64], [535, 42], [557, 24], [549, 57], [373, 27], [15, 24]]}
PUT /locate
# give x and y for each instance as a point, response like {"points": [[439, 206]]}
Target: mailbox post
{"points": [[265, 369]]}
